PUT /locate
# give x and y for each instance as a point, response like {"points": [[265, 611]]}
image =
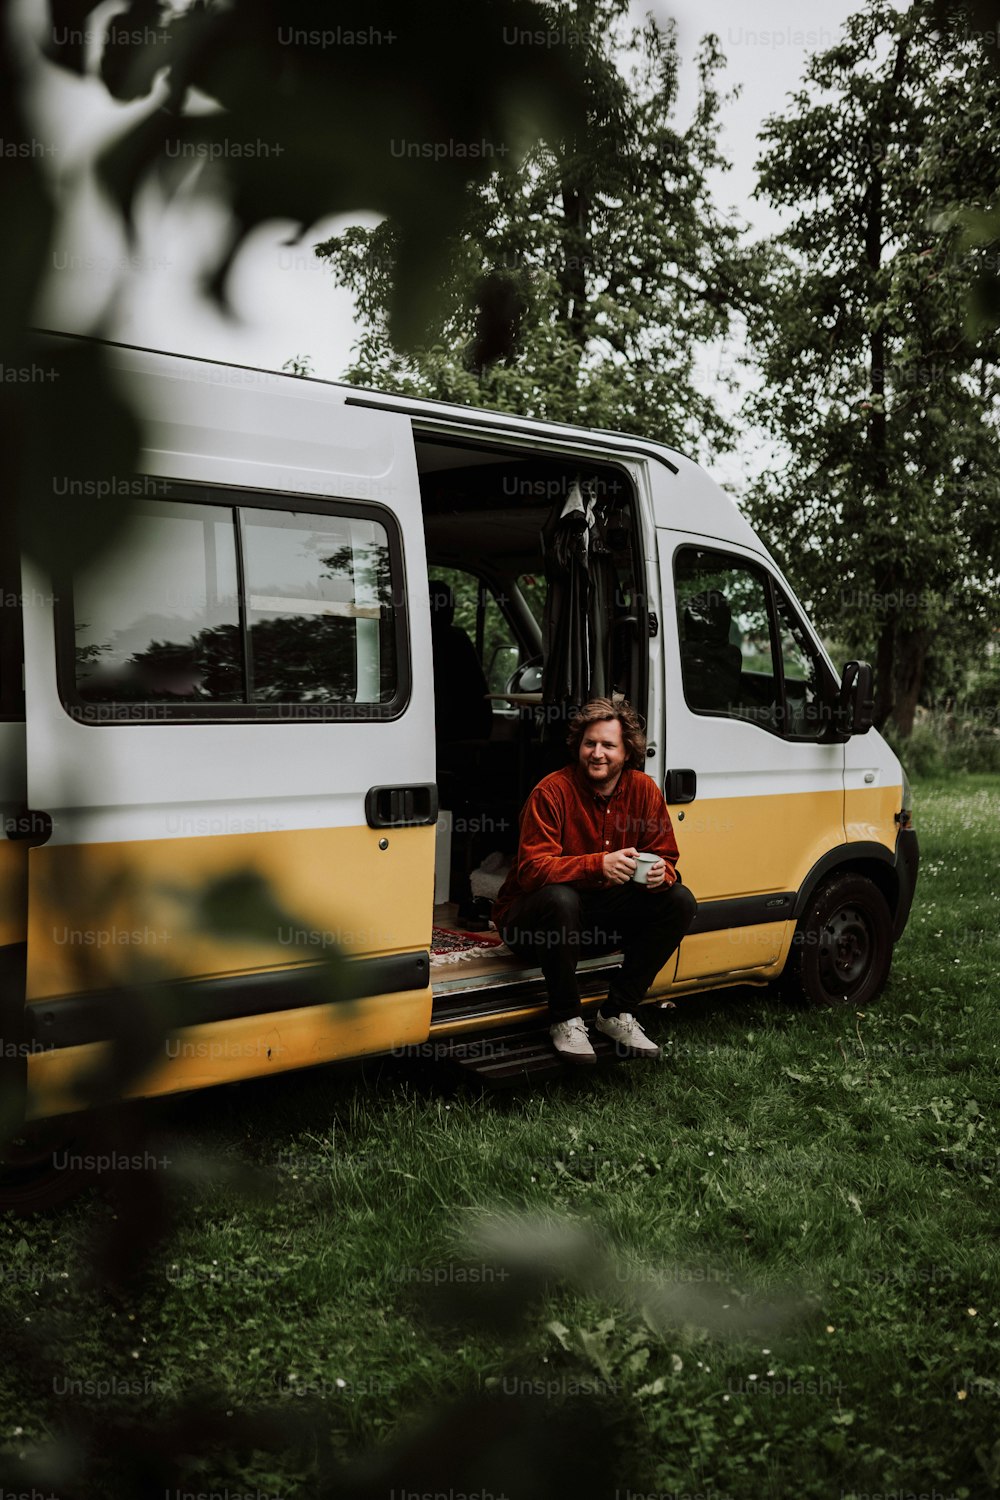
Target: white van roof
{"points": [[689, 500]]}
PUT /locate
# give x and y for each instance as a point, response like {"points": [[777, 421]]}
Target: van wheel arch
{"points": [[874, 861]]}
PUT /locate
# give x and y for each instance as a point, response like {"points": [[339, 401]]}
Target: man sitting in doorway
{"points": [[570, 890]]}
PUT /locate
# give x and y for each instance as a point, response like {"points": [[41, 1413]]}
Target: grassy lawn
{"points": [[765, 1266]]}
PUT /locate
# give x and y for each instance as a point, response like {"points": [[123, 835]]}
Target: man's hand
{"points": [[656, 874], [618, 867]]}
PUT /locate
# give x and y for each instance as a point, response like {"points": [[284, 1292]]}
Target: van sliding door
{"points": [[230, 727]]}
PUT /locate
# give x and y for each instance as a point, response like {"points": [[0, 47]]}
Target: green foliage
{"points": [[942, 744], [882, 399], [601, 253]]}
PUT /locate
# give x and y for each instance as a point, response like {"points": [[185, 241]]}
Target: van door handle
{"points": [[30, 827], [401, 806], [680, 786]]}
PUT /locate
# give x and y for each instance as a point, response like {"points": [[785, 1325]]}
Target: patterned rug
{"points": [[449, 947]]}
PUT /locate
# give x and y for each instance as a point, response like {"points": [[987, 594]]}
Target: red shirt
{"points": [[566, 829]]}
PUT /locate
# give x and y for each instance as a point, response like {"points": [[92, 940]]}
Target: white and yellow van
{"points": [[243, 690]]}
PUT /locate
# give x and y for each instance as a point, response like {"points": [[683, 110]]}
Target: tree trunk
{"points": [[878, 434], [884, 674], [576, 256], [910, 657]]}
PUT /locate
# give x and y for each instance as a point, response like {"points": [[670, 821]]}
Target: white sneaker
{"points": [[625, 1032], [571, 1041]]}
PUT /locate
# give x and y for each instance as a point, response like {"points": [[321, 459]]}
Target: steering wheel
{"points": [[528, 677]]}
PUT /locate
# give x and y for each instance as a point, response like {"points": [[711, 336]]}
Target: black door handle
{"points": [[401, 806], [680, 786], [29, 826]]}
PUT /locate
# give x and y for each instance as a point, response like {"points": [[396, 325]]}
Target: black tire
{"points": [[842, 949]]}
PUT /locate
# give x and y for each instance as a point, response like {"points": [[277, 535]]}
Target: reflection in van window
{"points": [[157, 620], [727, 661], [319, 608], [803, 675]]}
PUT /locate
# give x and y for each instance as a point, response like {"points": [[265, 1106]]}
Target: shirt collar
{"points": [[585, 786]]}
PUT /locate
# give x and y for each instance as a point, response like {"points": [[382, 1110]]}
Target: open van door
{"points": [[230, 726], [754, 781]]}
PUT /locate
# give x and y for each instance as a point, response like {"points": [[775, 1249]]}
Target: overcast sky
{"points": [[286, 303]]}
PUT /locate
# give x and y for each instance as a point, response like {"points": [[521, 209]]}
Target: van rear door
{"points": [[230, 725]]}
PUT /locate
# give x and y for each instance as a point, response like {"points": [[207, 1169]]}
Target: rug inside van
{"points": [[449, 946]]}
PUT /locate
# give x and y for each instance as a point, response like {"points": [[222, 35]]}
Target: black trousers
{"points": [[557, 925]]}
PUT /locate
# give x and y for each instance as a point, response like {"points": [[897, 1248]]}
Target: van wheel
{"points": [[842, 948]]}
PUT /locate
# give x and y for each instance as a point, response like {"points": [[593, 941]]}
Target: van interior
{"points": [[535, 579]]}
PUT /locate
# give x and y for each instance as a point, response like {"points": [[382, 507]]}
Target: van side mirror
{"points": [[856, 706], [504, 662]]}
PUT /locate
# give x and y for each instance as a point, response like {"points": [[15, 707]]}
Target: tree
{"points": [[601, 257], [880, 393], [266, 111]]}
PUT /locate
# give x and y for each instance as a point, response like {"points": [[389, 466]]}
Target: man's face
{"points": [[602, 755]]}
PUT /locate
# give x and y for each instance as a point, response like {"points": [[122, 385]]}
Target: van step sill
{"points": [[505, 977], [509, 1056], [524, 989]]}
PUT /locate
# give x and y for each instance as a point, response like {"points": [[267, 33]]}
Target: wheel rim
{"points": [[845, 950]]}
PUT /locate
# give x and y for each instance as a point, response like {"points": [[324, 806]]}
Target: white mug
{"points": [[643, 862]]}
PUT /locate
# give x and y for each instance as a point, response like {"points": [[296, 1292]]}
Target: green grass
{"points": [[765, 1266]]}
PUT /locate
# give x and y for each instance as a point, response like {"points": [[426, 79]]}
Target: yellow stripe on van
{"points": [[247, 1047], [749, 845], [870, 813], [756, 950], [13, 890], [101, 915]]}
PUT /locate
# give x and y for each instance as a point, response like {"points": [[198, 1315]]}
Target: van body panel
{"points": [[215, 424], [686, 499], [873, 790], [105, 914], [13, 892], [228, 1051], [870, 812], [732, 950], [763, 841]]}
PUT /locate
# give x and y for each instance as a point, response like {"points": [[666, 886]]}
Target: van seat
{"points": [[710, 663]]}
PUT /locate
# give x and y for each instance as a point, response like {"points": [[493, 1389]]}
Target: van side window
{"points": [[726, 646], [319, 607], [478, 613], [215, 610], [157, 619], [804, 675]]}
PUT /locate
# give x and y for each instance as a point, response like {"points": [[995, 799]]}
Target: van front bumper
{"points": [[907, 863]]}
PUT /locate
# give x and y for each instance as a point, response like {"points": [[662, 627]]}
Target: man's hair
{"points": [[595, 712]]}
